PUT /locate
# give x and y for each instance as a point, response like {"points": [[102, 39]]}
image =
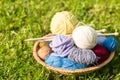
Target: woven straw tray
{"points": [[69, 72]]}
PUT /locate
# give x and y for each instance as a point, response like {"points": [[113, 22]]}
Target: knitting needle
{"points": [[103, 34], [42, 39], [102, 30], [109, 34], [50, 37]]}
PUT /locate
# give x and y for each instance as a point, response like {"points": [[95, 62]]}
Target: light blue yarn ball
{"points": [[110, 43], [54, 61], [101, 39], [71, 65], [62, 62]]}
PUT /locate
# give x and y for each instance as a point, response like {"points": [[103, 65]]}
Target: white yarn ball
{"points": [[85, 37]]}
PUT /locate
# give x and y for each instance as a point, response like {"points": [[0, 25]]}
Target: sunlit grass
{"points": [[22, 19]]}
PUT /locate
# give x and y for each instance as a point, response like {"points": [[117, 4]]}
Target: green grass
{"points": [[22, 19]]}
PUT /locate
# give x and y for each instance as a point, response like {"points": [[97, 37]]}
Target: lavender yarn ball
{"points": [[110, 43], [65, 63], [100, 39], [61, 45], [83, 56]]}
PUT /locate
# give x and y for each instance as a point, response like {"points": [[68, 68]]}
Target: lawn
{"points": [[23, 19]]}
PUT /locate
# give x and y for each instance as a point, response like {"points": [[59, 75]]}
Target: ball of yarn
{"points": [[83, 56], [100, 39], [44, 51], [110, 43], [101, 52], [85, 37], [54, 61], [65, 63], [61, 45], [63, 23], [71, 65], [43, 43]]}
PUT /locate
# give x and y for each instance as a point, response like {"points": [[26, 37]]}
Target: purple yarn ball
{"points": [[83, 56], [61, 45]]}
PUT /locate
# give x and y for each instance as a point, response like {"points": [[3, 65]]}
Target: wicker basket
{"points": [[69, 72]]}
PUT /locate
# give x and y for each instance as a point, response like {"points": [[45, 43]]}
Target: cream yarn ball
{"points": [[85, 37], [63, 23]]}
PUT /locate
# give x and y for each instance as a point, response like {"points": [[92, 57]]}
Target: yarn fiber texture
{"points": [[63, 23], [110, 43], [101, 52], [65, 63], [44, 51], [85, 37], [101, 39], [83, 56], [54, 61], [61, 45]]}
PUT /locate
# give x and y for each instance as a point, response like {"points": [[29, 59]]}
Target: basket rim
{"points": [[70, 72]]}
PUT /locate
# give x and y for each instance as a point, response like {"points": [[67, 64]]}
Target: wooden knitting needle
{"points": [[42, 39], [50, 37], [102, 30], [109, 34]]}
